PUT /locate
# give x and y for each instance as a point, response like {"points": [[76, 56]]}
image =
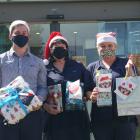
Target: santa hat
{"points": [[106, 37], [16, 23], [52, 38], [104, 79]]}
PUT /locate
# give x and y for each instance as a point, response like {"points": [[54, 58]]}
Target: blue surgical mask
{"points": [[20, 40]]}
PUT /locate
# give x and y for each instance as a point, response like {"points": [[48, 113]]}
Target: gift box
{"points": [[11, 106], [74, 96], [104, 82], [17, 100], [55, 96]]}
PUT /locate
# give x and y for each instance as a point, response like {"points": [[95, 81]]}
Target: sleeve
{"points": [[0, 72], [42, 83], [0, 77], [91, 69], [87, 80]]}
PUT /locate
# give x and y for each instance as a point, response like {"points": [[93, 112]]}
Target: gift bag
{"points": [[74, 96], [55, 96], [128, 96]]}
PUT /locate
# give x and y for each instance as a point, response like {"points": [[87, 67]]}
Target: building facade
{"points": [[78, 21]]}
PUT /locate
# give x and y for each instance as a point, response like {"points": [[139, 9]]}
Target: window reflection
{"points": [[5, 43], [128, 37], [134, 37], [81, 38]]}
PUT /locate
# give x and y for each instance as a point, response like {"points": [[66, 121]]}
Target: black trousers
{"points": [[30, 128], [53, 131], [114, 130]]}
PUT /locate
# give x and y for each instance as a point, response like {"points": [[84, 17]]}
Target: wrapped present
{"points": [[74, 96], [35, 103], [55, 96], [14, 111], [17, 100], [11, 106], [103, 83]]}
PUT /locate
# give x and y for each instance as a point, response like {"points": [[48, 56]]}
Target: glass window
{"points": [[133, 37], [38, 37], [82, 37], [5, 43]]}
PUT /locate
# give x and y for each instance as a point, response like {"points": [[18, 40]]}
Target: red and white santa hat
{"points": [[52, 38], [106, 37]]}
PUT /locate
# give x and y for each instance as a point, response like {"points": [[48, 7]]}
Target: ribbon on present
{"points": [[10, 97], [17, 100]]}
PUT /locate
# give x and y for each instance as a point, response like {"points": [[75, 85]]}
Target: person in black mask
{"points": [[18, 61], [66, 115]]}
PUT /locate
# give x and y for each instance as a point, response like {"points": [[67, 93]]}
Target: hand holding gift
{"points": [[51, 108], [93, 95], [130, 66]]}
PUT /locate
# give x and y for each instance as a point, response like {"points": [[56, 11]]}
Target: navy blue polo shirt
{"points": [[108, 113], [72, 72]]}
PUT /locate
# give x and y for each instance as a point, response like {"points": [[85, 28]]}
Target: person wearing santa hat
{"points": [[105, 122], [66, 124], [18, 61]]}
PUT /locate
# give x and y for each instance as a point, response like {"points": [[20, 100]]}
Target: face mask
{"points": [[59, 53], [107, 53], [20, 40]]}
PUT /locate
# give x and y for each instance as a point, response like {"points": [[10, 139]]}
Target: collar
{"points": [[101, 65], [12, 52]]}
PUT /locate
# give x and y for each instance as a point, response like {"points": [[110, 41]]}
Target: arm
{"points": [[92, 95], [42, 83], [0, 77], [88, 83], [131, 68]]}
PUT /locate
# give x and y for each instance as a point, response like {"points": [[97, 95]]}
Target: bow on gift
{"points": [[9, 96], [17, 100]]}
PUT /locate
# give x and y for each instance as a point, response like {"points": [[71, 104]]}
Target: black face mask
{"points": [[20, 40], [59, 53]]}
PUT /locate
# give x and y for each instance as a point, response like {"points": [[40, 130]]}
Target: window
{"points": [[82, 37]]}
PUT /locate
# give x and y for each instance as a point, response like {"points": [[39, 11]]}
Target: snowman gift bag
{"points": [[74, 96]]}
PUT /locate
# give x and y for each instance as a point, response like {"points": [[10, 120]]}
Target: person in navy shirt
{"points": [[71, 122], [105, 122]]}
